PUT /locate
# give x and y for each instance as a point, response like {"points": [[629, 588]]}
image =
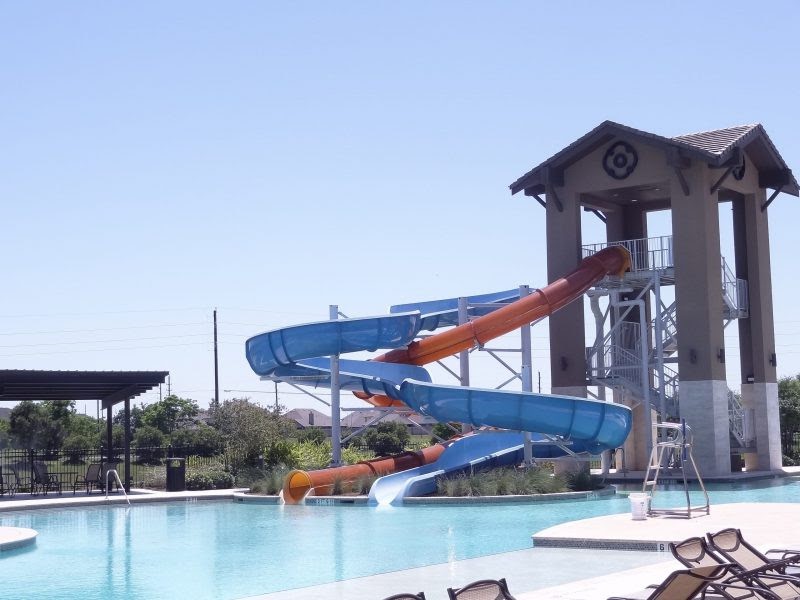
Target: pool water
{"points": [[214, 549]]}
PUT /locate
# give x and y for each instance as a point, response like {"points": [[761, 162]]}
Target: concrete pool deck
{"points": [[575, 573]]}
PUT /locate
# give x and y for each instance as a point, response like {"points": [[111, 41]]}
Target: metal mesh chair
{"points": [[420, 596], [687, 584], [485, 589]]}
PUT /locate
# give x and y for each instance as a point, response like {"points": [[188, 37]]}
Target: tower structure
{"points": [[667, 358]]}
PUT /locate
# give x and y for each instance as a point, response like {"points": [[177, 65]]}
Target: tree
{"points": [[789, 403], [312, 434], [29, 425], [249, 429], [169, 414], [386, 438], [203, 440], [149, 443]]}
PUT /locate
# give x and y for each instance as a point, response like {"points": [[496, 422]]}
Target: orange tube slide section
{"points": [[540, 303], [298, 483]]}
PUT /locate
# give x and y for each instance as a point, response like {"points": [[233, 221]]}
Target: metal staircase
{"points": [[618, 360]]}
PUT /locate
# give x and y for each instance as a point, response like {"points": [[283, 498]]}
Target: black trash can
{"points": [[176, 474]]}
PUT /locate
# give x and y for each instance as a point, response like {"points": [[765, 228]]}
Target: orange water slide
{"points": [[298, 483], [539, 304]]}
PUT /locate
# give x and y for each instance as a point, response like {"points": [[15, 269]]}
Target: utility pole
{"points": [[276, 397], [216, 364]]}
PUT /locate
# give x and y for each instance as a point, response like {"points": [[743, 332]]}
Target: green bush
{"points": [[312, 434], [583, 481], [212, 479], [75, 445], [203, 440], [150, 442], [386, 438], [198, 481], [501, 482], [279, 454], [270, 482]]}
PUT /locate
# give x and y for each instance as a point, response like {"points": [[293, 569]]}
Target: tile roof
{"points": [[715, 147], [716, 141]]}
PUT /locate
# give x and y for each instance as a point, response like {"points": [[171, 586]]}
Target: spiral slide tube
{"points": [[289, 355]]}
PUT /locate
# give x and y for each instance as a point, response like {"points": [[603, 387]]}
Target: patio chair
{"points": [[485, 589], [90, 480], [44, 481], [731, 545], [688, 583], [420, 596], [694, 552]]}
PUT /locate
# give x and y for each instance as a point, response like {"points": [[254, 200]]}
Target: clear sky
{"points": [[158, 160]]}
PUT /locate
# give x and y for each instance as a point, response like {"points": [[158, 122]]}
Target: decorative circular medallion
{"points": [[620, 160], [738, 172]]}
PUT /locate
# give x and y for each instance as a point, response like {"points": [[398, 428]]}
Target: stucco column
{"points": [[567, 336], [756, 333], [698, 292]]}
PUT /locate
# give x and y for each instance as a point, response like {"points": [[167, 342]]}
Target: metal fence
{"points": [[68, 466], [790, 443]]}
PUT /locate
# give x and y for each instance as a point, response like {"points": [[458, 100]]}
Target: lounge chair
{"points": [[90, 480], [694, 552], [44, 481], [689, 583], [420, 596], [730, 544], [485, 589]]}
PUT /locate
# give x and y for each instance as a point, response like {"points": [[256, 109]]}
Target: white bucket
{"points": [[638, 506]]}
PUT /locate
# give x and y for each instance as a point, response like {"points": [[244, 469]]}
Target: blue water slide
{"points": [[601, 425], [444, 313], [480, 450], [285, 347]]}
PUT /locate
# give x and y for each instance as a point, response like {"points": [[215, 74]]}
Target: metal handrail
{"points": [[119, 484], [647, 254]]}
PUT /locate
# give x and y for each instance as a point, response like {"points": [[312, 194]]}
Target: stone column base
{"points": [[761, 401], [704, 405]]}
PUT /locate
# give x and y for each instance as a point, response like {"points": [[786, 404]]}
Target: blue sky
{"points": [[269, 159]]}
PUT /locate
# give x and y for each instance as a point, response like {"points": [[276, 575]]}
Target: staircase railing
{"points": [[734, 292], [647, 254]]}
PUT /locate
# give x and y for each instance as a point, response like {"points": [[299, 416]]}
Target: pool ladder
{"points": [[119, 484], [673, 451]]}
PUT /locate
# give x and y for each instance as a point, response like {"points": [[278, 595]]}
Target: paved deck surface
{"points": [[572, 573]]}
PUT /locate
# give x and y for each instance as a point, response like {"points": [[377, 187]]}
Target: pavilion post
{"points": [[127, 445], [109, 435]]}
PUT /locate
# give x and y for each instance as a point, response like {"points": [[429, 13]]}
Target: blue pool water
{"points": [[213, 549]]}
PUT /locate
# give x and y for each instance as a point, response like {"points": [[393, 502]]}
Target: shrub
{"points": [[75, 446], [271, 482], [150, 442], [279, 453], [203, 440], [211, 479], [386, 438], [198, 481], [501, 482], [312, 434], [583, 481]]}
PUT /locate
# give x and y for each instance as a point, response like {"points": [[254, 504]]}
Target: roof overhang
{"points": [[753, 140], [110, 387]]}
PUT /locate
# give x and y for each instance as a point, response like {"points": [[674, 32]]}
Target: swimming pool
{"points": [[212, 549]]}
